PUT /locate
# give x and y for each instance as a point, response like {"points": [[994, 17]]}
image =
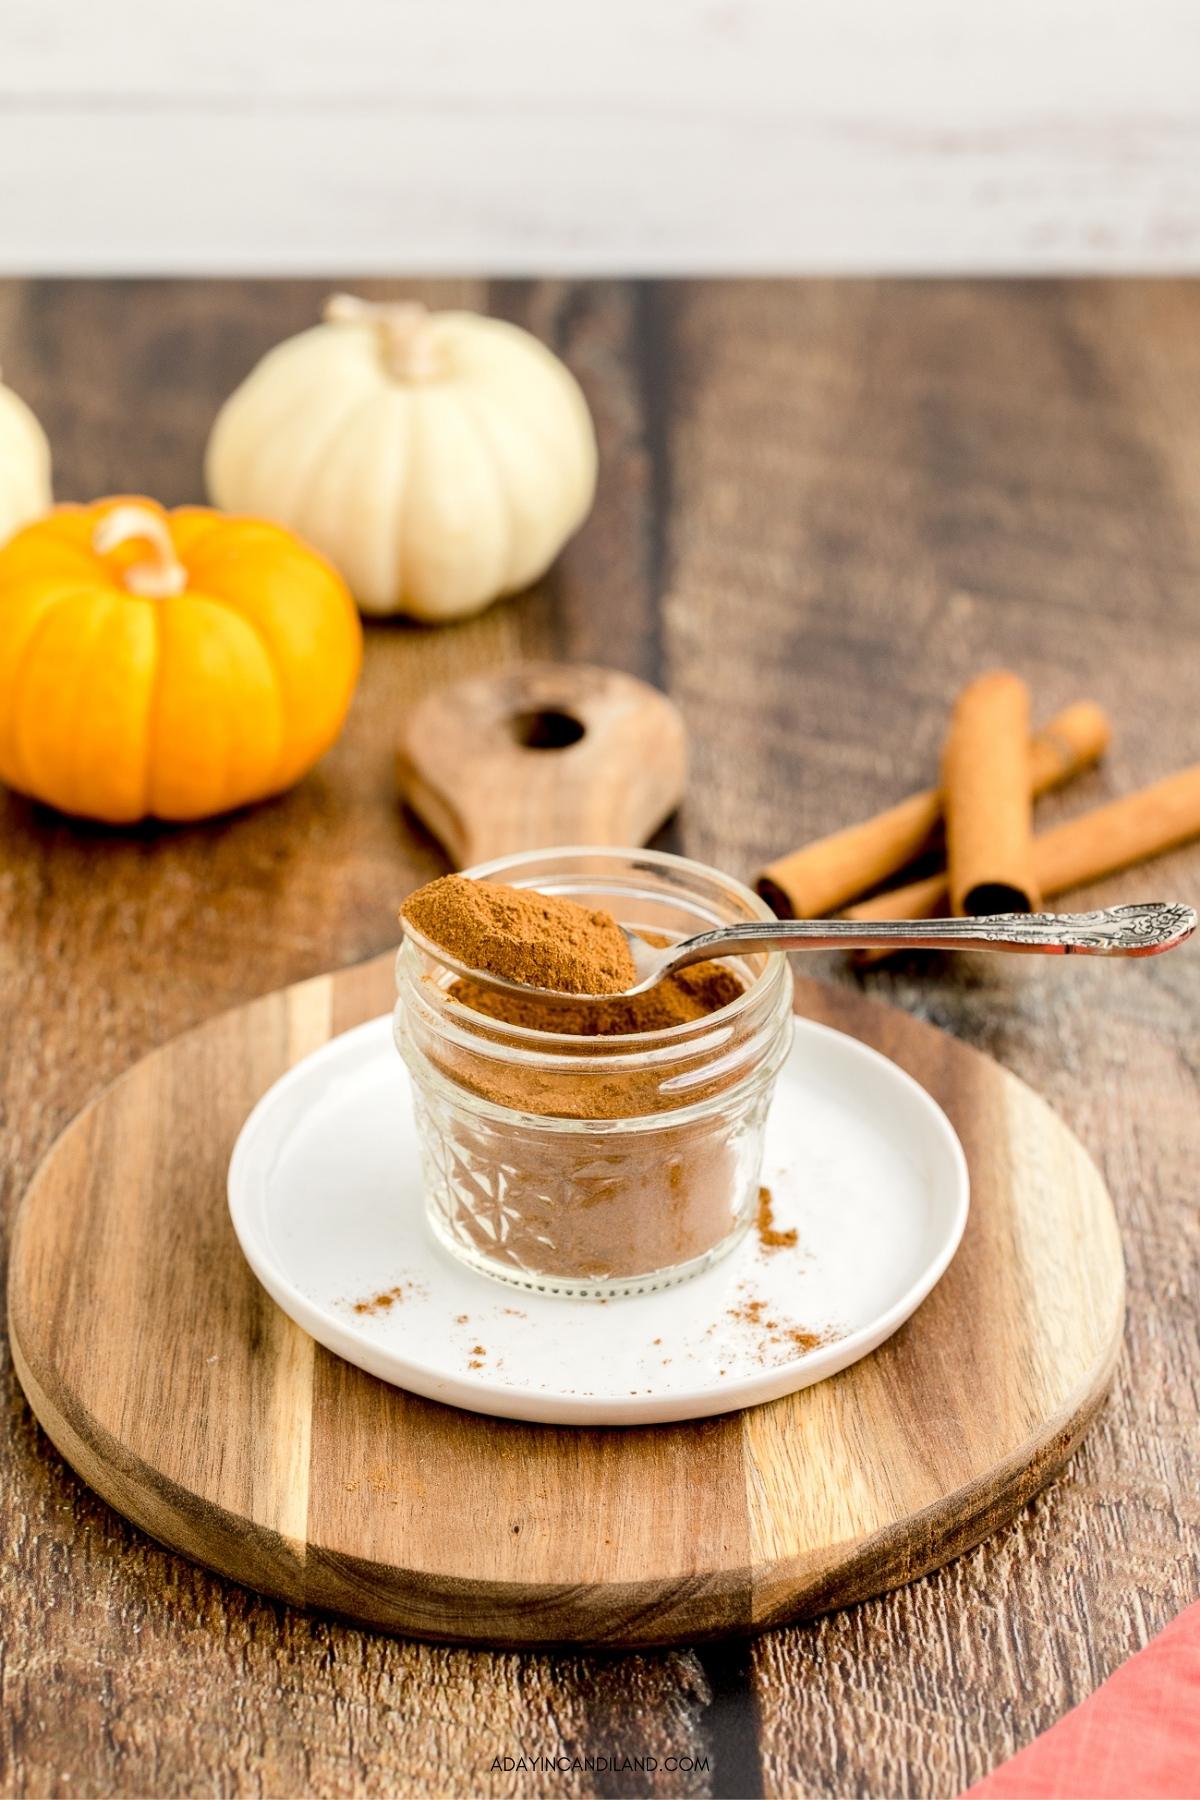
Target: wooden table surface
{"points": [[822, 506]]}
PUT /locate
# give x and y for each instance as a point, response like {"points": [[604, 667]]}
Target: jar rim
{"points": [[668, 1037]]}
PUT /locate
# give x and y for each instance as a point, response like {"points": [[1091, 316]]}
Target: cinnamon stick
{"points": [[1083, 850], [986, 781], [824, 875]]}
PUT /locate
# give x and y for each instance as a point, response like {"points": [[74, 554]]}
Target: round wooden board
{"points": [[175, 1387]]}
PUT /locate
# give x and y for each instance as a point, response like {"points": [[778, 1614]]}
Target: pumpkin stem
{"points": [[402, 328], [157, 579]]}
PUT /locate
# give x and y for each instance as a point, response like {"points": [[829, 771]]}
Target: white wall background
{"points": [[535, 136]]}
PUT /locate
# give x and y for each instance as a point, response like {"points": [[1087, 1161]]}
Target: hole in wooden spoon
{"points": [[548, 729]]}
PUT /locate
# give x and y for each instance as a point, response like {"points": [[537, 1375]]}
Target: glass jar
{"points": [[597, 1165]]}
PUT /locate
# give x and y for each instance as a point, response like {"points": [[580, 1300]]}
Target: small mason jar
{"points": [[597, 1165]]}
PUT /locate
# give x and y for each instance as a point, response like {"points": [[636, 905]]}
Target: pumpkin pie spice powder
{"points": [[541, 940], [666, 1203], [594, 1208], [516, 933]]}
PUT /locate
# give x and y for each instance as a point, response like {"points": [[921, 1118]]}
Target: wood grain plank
{"points": [[113, 942], [902, 485], [1039, 138], [767, 57]]}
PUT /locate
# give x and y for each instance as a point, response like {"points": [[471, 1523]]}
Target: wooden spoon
{"points": [[542, 754]]}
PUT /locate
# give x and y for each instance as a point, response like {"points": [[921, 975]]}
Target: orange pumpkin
{"points": [[167, 665]]}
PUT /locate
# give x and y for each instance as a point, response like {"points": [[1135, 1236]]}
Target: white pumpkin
{"points": [[24, 465], [439, 460]]}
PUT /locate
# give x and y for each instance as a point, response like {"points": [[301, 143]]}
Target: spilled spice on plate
{"points": [[768, 1236], [775, 1334], [383, 1300]]}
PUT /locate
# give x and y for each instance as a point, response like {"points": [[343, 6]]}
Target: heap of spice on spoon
{"points": [[527, 943]]}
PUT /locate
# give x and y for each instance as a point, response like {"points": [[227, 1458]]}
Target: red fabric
{"points": [[1136, 1738]]}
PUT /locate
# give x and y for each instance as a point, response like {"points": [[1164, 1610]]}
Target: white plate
{"points": [[325, 1193]]}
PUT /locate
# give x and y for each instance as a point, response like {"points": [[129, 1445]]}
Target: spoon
{"points": [[1142, 929]]}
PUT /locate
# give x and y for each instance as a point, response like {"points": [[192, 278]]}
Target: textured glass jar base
{"points": [[577, 1288], [583, 1212]]}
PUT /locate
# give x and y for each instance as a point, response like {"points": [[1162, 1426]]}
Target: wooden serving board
{"points": [[176, 1388]]}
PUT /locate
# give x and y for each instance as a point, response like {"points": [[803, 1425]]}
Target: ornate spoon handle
{"points": [[1144, 928]]}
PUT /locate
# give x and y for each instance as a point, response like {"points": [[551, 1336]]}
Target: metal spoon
{"points": [[1142, 929]]}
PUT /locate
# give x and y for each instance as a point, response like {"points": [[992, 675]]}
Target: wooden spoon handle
{"points": [[542, 754]]}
